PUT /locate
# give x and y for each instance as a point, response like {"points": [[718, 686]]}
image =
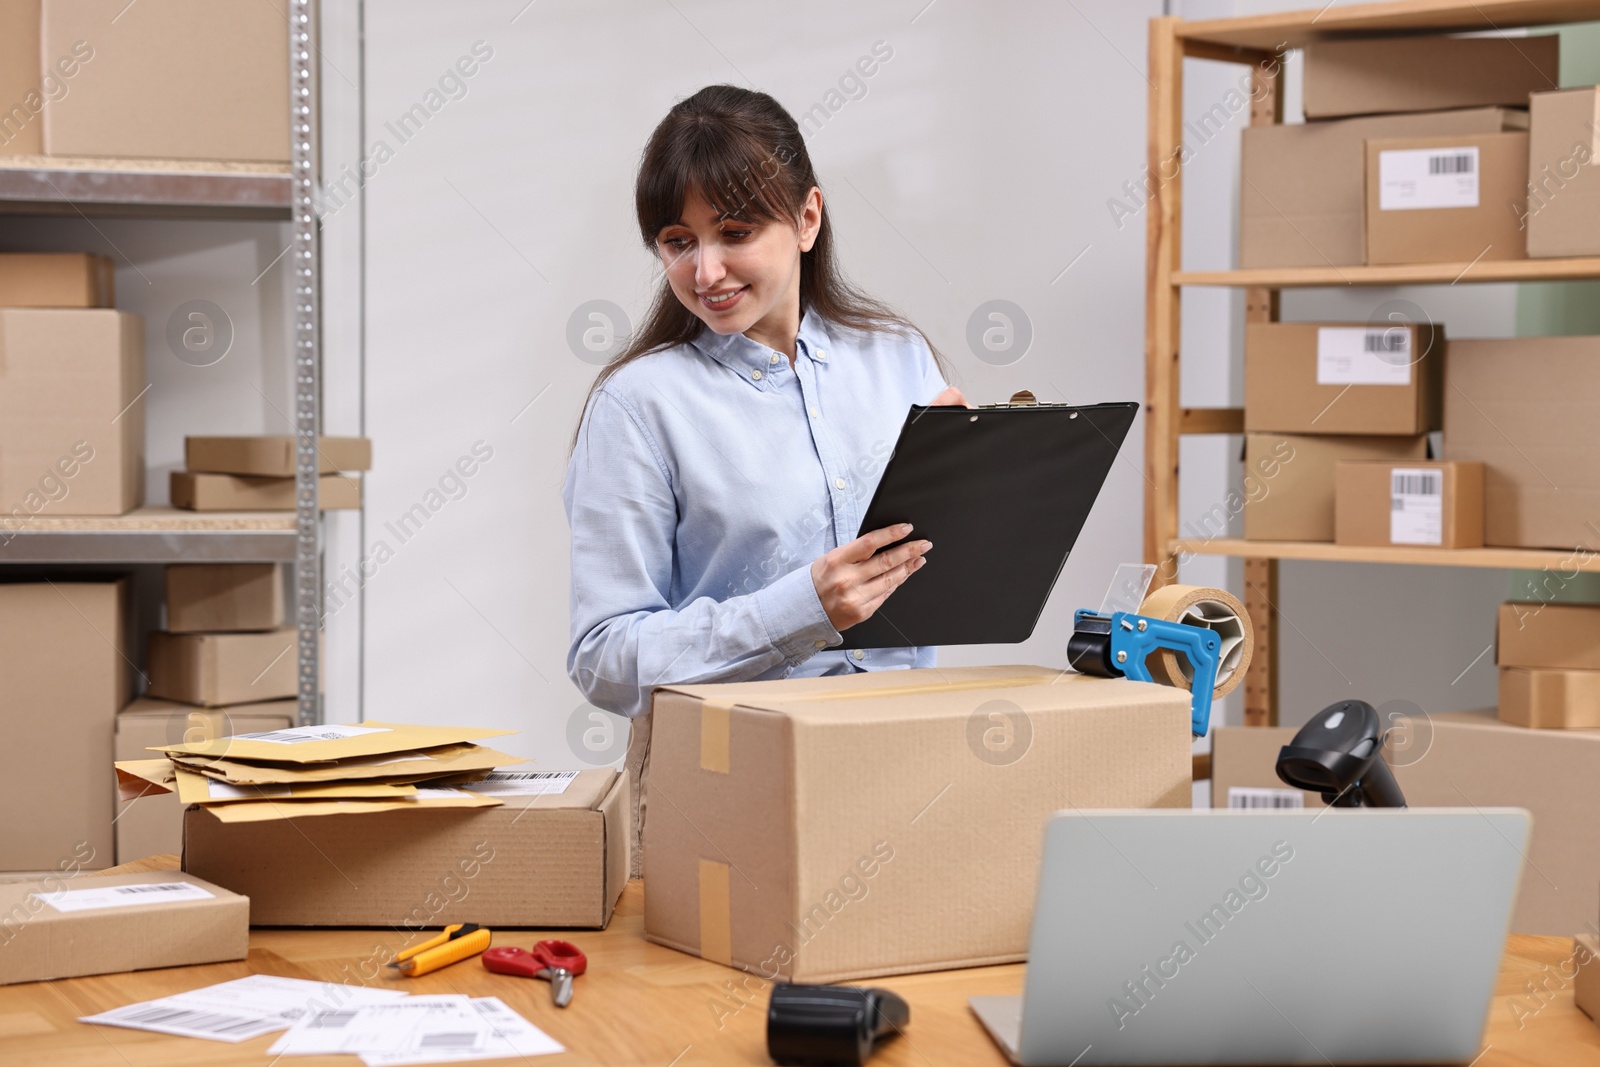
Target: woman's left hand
{"points": [[951, 397]]}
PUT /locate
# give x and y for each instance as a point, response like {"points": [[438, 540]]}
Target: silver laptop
{"points": [[1201, 937]]}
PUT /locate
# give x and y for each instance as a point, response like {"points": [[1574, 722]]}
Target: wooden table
{"points": [[644, 1004]]}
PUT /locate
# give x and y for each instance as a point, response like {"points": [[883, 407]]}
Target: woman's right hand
{"points": [[852, 582]]}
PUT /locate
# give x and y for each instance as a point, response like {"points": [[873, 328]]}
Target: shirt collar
{"points": [[745, 357]]}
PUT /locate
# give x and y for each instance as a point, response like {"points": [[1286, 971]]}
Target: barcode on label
{"points": [[528, 776], [1450, 164], [1387, 341], [1241, 796], [330, 1020], [449, 1039], [209, 1022], [1415, 483], [164, 887]]}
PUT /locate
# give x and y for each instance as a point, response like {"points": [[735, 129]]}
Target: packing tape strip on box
{"points": [[716, 913], [1210, 609]]}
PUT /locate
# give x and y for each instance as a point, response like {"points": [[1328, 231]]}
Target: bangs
{"points": [[737, 174]]}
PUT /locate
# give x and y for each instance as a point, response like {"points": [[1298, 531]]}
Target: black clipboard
{"points": [[1002, 491]]}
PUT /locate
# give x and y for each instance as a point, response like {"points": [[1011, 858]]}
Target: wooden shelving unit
{"points": [[1254, 42], [152, 535], [54, 185]]}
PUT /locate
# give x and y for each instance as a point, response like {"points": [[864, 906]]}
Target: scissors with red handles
{"points": [[557, 961]]}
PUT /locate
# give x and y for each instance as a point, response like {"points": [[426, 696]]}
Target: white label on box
{"points": [[1416, 506], [124, 896], [523, 783], [299, 735], [438, 793], [1363, 355], [1244, 796], [223, 791], [1410, 179]]}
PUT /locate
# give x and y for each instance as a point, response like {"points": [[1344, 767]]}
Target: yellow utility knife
{"points": [[454, 944]]}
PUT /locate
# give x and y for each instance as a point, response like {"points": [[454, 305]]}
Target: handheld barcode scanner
{"points": [[831, 1025], [1339, 753]]}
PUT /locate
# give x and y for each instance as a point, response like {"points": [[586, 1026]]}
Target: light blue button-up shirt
{"points": [[706, 479]]}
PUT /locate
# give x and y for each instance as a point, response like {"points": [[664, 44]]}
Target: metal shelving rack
{"points": [[48, 185], [1254, 42]]}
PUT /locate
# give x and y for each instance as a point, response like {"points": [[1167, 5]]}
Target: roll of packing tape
{"points": [[1209, 609]]}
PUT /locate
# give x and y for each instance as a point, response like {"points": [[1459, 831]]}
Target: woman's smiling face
{"points": [[739, 275]]}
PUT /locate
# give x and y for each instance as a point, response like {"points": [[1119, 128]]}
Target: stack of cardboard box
{"points": [[1549, 658], [257, 473]]}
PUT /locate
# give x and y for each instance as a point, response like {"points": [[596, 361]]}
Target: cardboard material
{"points": [[1383, 75], [1298, 504], [179, 79], [1550, 699], [1302, 186], [224, 596], [1470, 758], [1309, 377], [273, 456], [371, 737], [885, 822], [218, 669], [21, 80], [143, 928], [545, 861], [1586, 983], [56, 280], [71, 416], [228, 492], [441, 761], [153, 824], [1564, 173], [64, 673], [1435, 503], [1552, 636], [1526, 409], [1470, 211]]}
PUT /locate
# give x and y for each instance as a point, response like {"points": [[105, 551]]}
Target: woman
{"points": [[741, 434]]}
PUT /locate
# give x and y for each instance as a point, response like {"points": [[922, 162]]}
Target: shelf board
{"points": [[1504, 558], [60, 185], [1504, 270], [152, 535], [1295, 29]]}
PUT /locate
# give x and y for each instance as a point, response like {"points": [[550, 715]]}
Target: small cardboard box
{"points": [[1526, 409], [182, 79], [71, 418], [1564, 173], [232, 492], [1310, 377], [22, 81], [1459, 759], [1420, 502], [818, 829], [64, 674], [212, 597], [1302, 185], [62, 927], [56, 280], [1378, 75], [1447, 199], [1586, 983], [1550, 699], [1551, 636], [224, 668], [272, 456], [1298, 501], [555, 860], [153, 824]]}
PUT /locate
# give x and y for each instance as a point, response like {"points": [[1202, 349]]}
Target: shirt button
{"points": [[858, 654], [815, 413], [822, 644], [838, 483], [775, 358], [822, 353], [756, 375]]}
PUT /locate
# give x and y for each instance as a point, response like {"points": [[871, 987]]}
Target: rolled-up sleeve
{"points": [[626, 636]]}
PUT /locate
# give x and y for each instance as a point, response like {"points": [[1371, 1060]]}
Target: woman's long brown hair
{"points": [[743, 153]]}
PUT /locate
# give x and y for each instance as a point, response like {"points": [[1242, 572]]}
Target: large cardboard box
{"points": [[1298, 504], [71, 418], [827, 828], [1324, 377], [1380, 75], [106, 924], [231, 492], [1450, 199], [555, 860], [1550, 636], [1564, 173], [272, 455], [1550, 699], [1419, 502], [223, 668], [64, 673], [212, 597], [1302, 186], [1526, 409], [57, 280], [173, 79], [153, 824], [22, 85], [1463, 759]]}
